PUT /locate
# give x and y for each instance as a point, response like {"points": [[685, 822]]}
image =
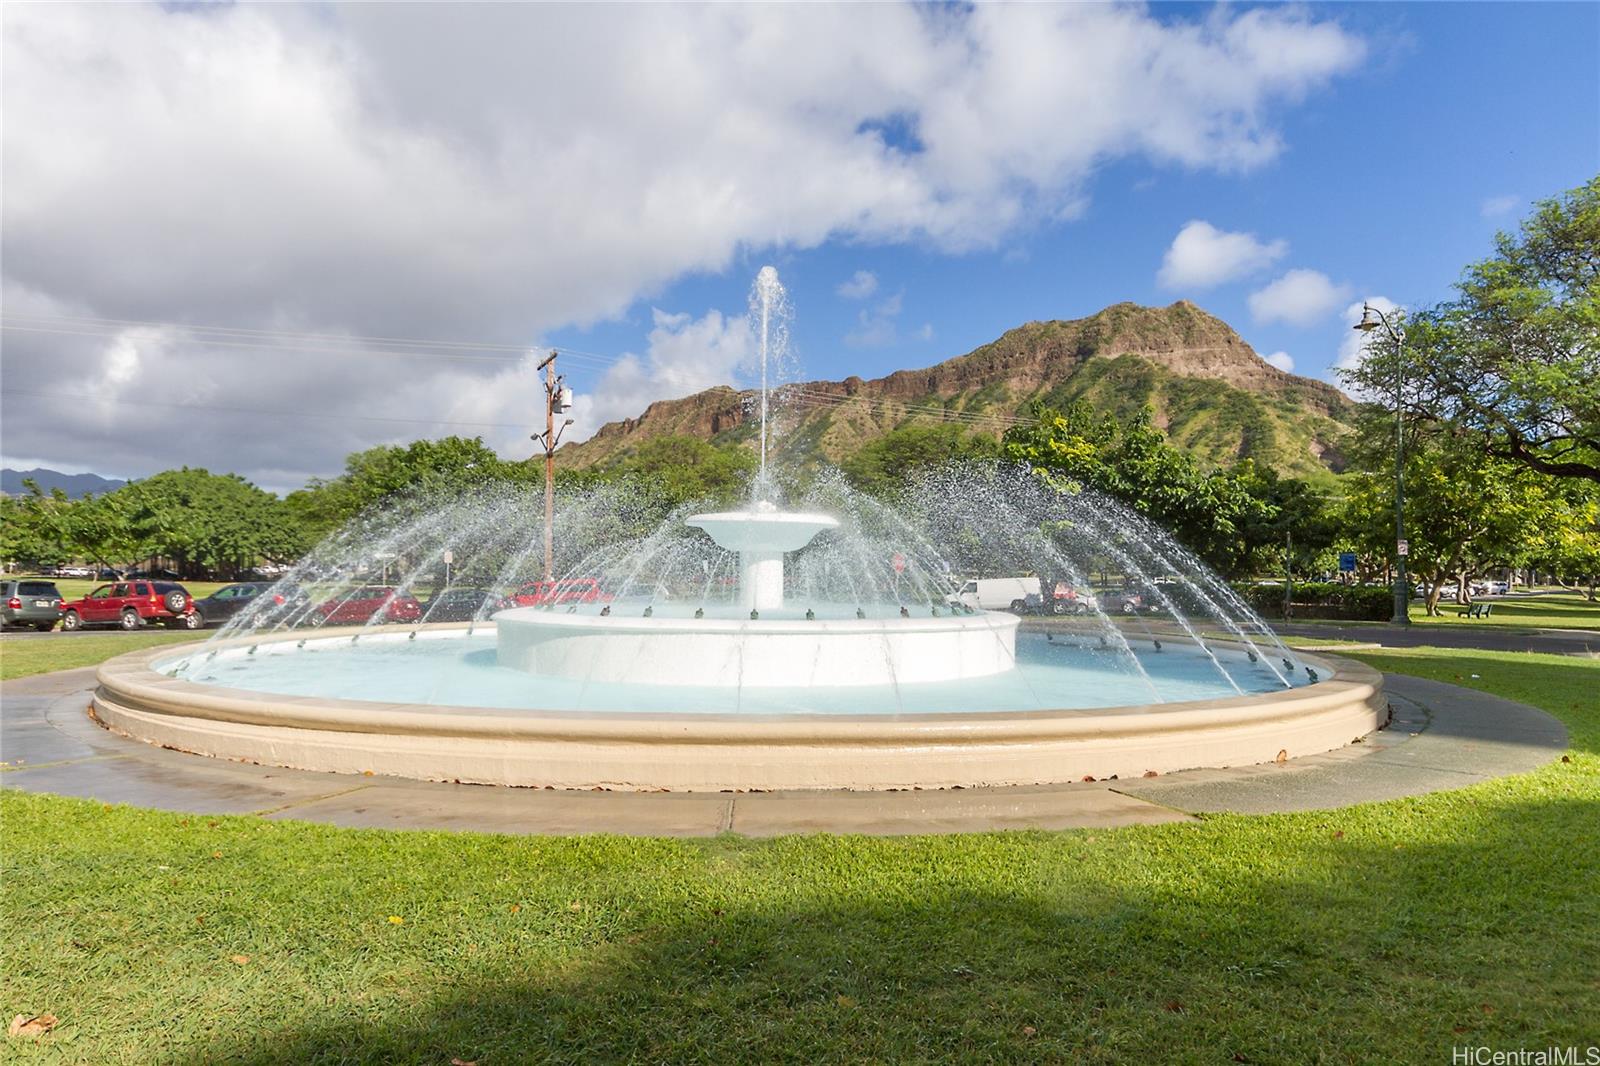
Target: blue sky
{"points": [[342, 188], [1391, 181]]}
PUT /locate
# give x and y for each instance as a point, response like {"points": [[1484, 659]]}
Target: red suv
{"points": [[130, 604], [363, 603], [568, 590]]}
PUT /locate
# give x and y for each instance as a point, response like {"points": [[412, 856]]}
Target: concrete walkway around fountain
{"points": [[1441, 737]]}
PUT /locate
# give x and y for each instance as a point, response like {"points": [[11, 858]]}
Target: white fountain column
{"points": [[761, 536], [760, 580]]}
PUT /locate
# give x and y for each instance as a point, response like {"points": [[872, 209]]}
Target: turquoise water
{"points": [[462, 671]]}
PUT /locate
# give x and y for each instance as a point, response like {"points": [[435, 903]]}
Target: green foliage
{"points": [[1323, 599], [1213, 513], [687, 468], [885, 462], [1466, 509], [218, 523], [1515, 358], [431, 467]]}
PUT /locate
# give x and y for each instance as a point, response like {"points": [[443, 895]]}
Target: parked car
{"points": [[1123, 601], [131, 604], [158, 574], [271, 604], [564, 591], [998, 594], [361, 605], [463, 605], [29, 603]]}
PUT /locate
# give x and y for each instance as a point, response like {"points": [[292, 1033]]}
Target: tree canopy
{"points": [[1515, 358], [1212, 512]]}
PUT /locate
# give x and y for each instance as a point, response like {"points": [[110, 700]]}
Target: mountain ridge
{"points": [[74, 485], [1211, 392]]}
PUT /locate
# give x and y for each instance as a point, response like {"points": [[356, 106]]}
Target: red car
{"points": [[568, 590], [361, 604], [130, 604]]}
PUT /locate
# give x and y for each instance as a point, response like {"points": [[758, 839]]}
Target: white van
{"points": [[997, 594]]}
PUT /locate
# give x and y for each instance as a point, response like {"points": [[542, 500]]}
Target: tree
{"points": [[451, 465], [1466, 510], [687, 468], [885, 462], [1515, 359], [208, 522], [1212, 512]]}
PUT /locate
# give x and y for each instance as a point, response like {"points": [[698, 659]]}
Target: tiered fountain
{"points": [[760, 648]]}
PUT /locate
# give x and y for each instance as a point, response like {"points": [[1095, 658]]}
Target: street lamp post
{"points": [[1371, 319]]}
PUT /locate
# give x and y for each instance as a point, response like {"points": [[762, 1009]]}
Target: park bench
{"points": [[1477, 610]]}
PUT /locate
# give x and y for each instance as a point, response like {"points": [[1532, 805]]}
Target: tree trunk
{"points": [[1431, 601]]}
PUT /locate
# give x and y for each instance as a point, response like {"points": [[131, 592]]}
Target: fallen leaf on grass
{"points": [[463, 1062], [395, 919], [1173, 1006], [574, 906], [845, 1001], [216, 854], [515, 907], [1028, 1030], [1338, 834], [31, 1024], [240, 959]]}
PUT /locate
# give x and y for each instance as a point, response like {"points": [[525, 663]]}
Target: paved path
{"points": [[1441, 737]]}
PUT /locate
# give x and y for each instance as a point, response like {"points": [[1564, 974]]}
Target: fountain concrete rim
{"points": [[133, 674], [685, 752]]}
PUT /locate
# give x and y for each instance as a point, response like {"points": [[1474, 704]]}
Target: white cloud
{"points": [[1495, 206], [496, 172], [1282, 360], [1353, 342], [876, 325], [1202, 256], [862, 283], [926, 332], [1299, 297]]}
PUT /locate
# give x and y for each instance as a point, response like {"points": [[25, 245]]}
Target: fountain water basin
{"points": [[770, 648]]}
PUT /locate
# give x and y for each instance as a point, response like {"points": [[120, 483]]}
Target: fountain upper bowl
{"points": [[762, 530]]}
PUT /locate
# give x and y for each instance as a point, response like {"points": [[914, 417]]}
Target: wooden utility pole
{"points": [[557, 399]]}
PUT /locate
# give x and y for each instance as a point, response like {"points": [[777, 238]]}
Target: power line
{"points": [[260, 411]]}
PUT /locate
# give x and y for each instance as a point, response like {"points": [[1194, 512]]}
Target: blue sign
{"points": [[1347, 562]]}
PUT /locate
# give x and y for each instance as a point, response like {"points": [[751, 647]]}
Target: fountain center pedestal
{"points": [[770, 649], [761, 536]]}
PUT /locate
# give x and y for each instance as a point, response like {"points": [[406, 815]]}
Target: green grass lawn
{"points": [[60, 651], [1534, 612], [1383, 933]]}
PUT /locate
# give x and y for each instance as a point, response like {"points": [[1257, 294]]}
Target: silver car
{"points": [[25, 602]]}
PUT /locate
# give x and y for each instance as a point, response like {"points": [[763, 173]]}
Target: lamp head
{"points": [[1369, 319]]}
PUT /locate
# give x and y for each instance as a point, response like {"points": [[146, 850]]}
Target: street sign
{"points": [[1403, 549], [1347, 562], [899, 562], [449, 557]]}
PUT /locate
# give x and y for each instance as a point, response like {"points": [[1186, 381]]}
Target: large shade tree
{"points": [[1515, 358]]}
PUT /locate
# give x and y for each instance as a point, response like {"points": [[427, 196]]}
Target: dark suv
{"points": [[130, 604], [29, 603]]}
